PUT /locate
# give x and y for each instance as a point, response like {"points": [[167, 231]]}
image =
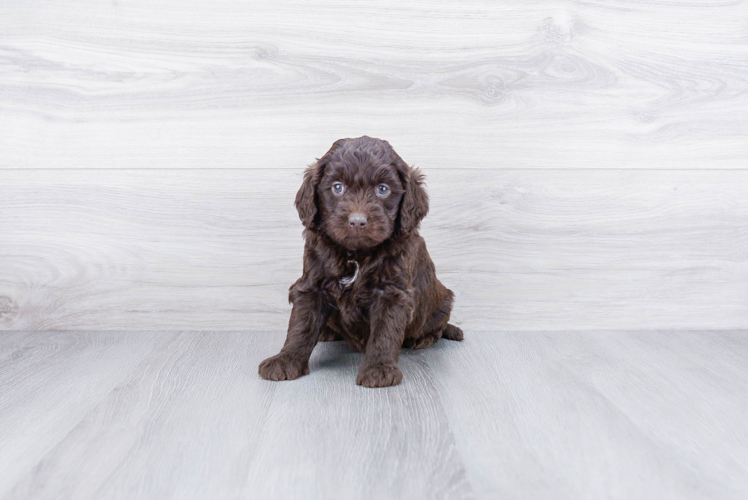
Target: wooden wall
{"points": [[587, 161]]}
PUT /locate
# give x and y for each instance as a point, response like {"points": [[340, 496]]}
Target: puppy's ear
{"points": [[415, 203], [307, 203], [307, 200]]}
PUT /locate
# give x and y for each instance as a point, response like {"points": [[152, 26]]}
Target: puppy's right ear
{"points": [[307, 203], [307, 200]]}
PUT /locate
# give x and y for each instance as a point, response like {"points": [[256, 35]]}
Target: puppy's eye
{"points": [[338, 188], [383, 190]]}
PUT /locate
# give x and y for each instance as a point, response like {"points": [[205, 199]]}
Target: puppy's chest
{"points": [[356, 289]]}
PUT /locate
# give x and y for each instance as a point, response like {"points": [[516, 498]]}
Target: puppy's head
{"points": [[360, 193]]}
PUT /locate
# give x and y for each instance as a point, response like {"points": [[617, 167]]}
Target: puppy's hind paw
{"points": [[451, 332]]}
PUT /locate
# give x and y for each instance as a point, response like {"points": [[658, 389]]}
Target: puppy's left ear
{"points": [[415, 203]]}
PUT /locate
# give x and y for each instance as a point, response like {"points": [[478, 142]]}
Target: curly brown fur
{"points": [[396, 301]]}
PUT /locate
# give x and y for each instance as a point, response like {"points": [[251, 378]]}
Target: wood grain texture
{"points": [[149, 153], [182, 423], [48, 383], [562, 415], [648, 414], [521, 249], [401, 448], [237, 84]]}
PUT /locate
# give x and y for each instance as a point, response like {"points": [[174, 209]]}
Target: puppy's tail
{"points": [[451, 332]]}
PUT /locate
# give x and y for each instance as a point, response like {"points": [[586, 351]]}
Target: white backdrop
{"points": [[587, 161]]}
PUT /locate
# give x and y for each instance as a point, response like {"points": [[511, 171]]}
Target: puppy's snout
{"points": [[357, 220]]}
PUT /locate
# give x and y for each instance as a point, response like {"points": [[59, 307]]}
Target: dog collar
{"points": [[349, 280]]}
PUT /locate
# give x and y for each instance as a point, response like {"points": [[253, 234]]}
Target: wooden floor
{"points": [[602, 414]]}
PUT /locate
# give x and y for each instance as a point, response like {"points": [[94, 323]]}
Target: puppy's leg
{"points": [[387, 319], [437, 326], [423, 341], [308, 316]]}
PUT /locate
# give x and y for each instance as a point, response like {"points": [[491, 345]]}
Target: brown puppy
{"points": [[367, 278]]}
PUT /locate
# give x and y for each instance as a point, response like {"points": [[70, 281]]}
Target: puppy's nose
{"points": [[357, 220]]}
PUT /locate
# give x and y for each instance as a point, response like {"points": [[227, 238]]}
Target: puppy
{"points": [[367, 277]]}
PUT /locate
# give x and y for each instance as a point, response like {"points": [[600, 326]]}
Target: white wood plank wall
{"points": [[587, 160]]}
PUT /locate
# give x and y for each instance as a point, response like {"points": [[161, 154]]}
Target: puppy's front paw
{"points": [[379, 375], [283, 367]]}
